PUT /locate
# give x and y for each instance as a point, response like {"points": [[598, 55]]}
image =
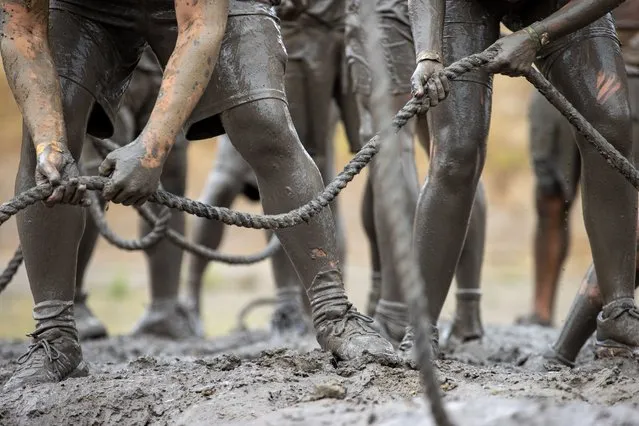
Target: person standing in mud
{"points": [[574, 44], [165, 317], [313, 35], [557, 168], [95, 45], [391, 312], [581, 322]]}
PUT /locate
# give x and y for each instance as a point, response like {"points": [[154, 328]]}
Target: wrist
{"points": [[538, 34], [51, 146], [428, 55]]}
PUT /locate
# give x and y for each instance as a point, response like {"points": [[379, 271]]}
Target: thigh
{"points": [[468, 28], [590, 73]]}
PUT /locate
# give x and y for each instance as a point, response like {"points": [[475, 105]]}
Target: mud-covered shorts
{"points": [[399, 51], [316, 83], [98, 43], [554, 153]]}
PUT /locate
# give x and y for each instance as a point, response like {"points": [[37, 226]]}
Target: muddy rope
{"points": [[358, 162], [160, 229], [387, 178]]}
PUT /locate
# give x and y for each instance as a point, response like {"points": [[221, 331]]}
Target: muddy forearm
{"points": [[30, 70], [573, 16], [427, 22], [187, 74]]}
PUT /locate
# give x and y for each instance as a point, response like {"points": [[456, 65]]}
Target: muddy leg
{"points": [[597, 86], [467, 323], [50, 238], [287, 177], [166, 317], [392, 312], [88, 325], [224, 183]]}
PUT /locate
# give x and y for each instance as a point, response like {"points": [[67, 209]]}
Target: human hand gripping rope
{"points": [[305, 212]]}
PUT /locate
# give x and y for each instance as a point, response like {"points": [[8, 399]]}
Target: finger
{"points": [[129, 201], [50, 172], [111, 189], [445, 82], [80, 194], [417, 87], [69, 191], [140, 201], [107, 167], [441, 93], [123, 195], [433, 97], [55, 197]]}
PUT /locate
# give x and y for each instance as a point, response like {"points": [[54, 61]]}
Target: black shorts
{"points": [[98, 43]]}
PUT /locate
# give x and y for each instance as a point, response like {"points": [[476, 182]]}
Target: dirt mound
{"points": [[247, 378]]}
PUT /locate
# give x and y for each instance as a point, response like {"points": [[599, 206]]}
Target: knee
{"points": [[458, 164], [263, 133], [551, 207], [615, 124]]}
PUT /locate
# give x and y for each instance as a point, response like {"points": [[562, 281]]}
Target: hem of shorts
{"points": [[235, 101], [108, 110]]}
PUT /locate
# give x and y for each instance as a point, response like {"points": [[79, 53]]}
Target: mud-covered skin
{"points": [[164, 259], [33, 81], [317, 99], [248, 103], [574, 64], [557, 168], [135, 169], [581, 321], [400, 55]]}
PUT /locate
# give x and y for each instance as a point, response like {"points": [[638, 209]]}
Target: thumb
{"points": [[50, 172], [417, 86], [107, 166]]}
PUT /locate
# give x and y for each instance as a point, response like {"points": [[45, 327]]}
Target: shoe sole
{"points": [[612, 349]]}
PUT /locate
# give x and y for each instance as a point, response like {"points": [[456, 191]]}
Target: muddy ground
{"points": [[244, 378]]}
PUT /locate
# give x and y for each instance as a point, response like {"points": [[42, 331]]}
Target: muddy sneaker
{"points": [[618, 330], [340, 329], [407, 346], [467, 324], [533, 319], [54, 353], [289, 317], [375, 293], [391, 319], [88, 325], [168, 319]]}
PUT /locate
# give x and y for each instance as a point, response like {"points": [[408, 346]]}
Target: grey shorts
{"points": [[399, 52], [98, 43]]}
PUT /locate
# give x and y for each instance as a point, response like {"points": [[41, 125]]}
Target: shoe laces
{"points": [[51, 352], [341, 320]]}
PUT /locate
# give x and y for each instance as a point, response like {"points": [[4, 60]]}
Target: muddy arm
{"points": [[30, 69], [201, 27], [427, 22], [573, 16]]}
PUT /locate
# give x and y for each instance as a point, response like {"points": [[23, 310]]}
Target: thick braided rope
{"points": [[160, 229], [11, 269], [388, 181], [210, 254]]}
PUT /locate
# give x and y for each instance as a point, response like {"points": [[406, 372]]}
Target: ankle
{"points": [[54, 314], [392, 312], [327, 296]]}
